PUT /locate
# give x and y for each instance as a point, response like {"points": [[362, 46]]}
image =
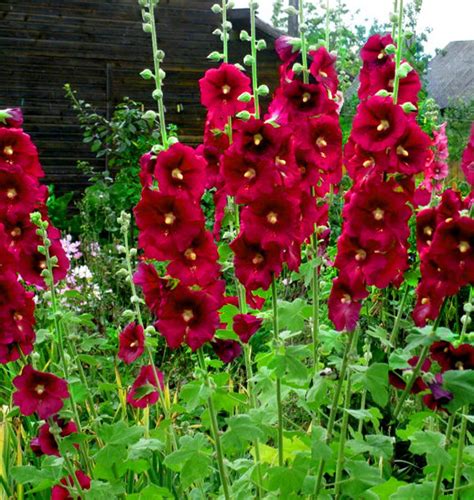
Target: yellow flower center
{"points": [[321, 142], [346, 299], [425, 300], [8, 150], [190, 254], [39, 389], [306, 97], [360, 255], [15, 232], [378, 214], [12, 193], [188, 315], [272, 218], [383, 125], [368, 163], [226, 89], [258, 259], [250, 174], [401, 151], [177, 174], [459, 365], [170, 218], [257, 139], [464, 246], [323, 74]]}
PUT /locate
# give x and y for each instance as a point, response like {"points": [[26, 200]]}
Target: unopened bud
{"points": [[248, 60], [245, 97], [215, 56], [263, 90], [261, 44], [147, 74], [157, 94], [244, 36], [149, 115], [243, 115], [216, 8], [147, 28]]}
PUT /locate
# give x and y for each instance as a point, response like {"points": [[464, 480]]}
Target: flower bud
{"points": [[216, 9], [261, 44], [408, 107], [383, 93], [217, 32], [149, 115], [160, 55], [245, 97], [263, 90], [465, 319], [133, 252], [291, 11], [297, 68], [147, 74], [215, 56], [468, 307], [243, 115], [122, 273], [393, 17], [248, 60], [150, 331], [157, 94], [161, 74], [173, 140], [390, 49], [227, 26], [147, 28], [303, 27], [244, 36], [230, 4], [404, 69]]}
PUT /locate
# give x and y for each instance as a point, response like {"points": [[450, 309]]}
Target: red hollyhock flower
{"points": [[39, 392], [372, 80], [167, 223], [15, 119], [197, 264], [147, 169], [18, 191], [220, 89], [323, 68], [152, 285], [450, 206], [8, 261], [61, 492], [425, 228], [17, 149], [313, 215], [411, 152], [287, 48], [245, 178], [378, 124], [246, 325], [429, 302], [227, 350], [180, 169], [303, 100], [396, 377], [272, 219], [255, 266], [373, 52], [467, 163], [46, 439], [19, 231], [453, 248], [188, 316], [33, 263], [345, 300], [453, 358], [360, 163], [323, 137], [146, 388], [131, 343]]}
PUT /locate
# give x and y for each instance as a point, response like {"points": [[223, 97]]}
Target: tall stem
{"points": [[398, 57], [315, 293], [401, 310], [276, 333], [466, 317], [158, 94], [327, 25], [351, 338], [460, 454], [225, 33], [304, 50], [394, 25], [439, 472], [215, 430], [253, 42]]}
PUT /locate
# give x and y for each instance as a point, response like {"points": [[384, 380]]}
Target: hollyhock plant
{"points": [[59, 492], [220, 89], [397, 380], [17, 149], [187, 316], [131, 343], [467, 162], [46, 439], [453, 358], [39, 392], [145, 390], [323, 69], [179, 169], [18, 191], [15, 118], [152, 285], [438, 397], [373, 53], [245, 326]]}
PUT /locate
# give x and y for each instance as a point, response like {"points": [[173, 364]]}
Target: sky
{"points": [[449, 19]]}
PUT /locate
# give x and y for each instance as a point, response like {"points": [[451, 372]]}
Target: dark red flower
{"points": [[378, 124], [246, 325], [453, 358], [396, 377], [47, 440], [39, 392], [449, 207], [131, 343], [188, 316], [272, 219], [314, 214], [373, 52], [323, 68], [15, 118], [304, 100], [167, 223], [429, 300], [255, 266], [287, 48], [220, 89], [467, 163], [425, 228], [227, 350], [146, 388], [18, 191], [148, 280], [61, 492], [345, 300], [17, 149], [438, 397], [197, 264], [179, 169], [147, 169]]}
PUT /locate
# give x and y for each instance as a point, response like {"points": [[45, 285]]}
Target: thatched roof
{"points": [[451, 73]]}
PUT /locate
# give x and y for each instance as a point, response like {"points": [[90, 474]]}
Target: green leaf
{"points": [[414, 492], [151, 492], [242, 429], [385, 490], [431, 444], [108, 462], [120, 433], [291, 315], [194, 393], [285, 480], [319, 449], [377, 445], [461, 384], [376, 382]]}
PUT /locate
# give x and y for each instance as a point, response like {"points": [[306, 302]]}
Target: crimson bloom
{"points": [[323, 69], [188, 316], [179, 169], [146, 388], [246, 325], [15, 118], [453, 358], [378, 124], [47, 440], [148, 280], [17, 149], [438, 397], [303, 100], [373, 52], [131, 343], [220, 89], [18, 191], [227, 350], [39, 392], [396, 377], [467, 163], [255, 266], [61, 492], [167, 223], [287, 48]]}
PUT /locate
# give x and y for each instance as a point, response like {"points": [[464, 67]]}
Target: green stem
{"points": [[316, 303], [304, 50], [215, 430], [342, 437], [460, 454], [466, 314], [276, 333], [225, 34], [351, 339], [394, 25], [401, 310], [253, 41], [439, 472], [327, 25], [398, 57], [158, 82]]}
